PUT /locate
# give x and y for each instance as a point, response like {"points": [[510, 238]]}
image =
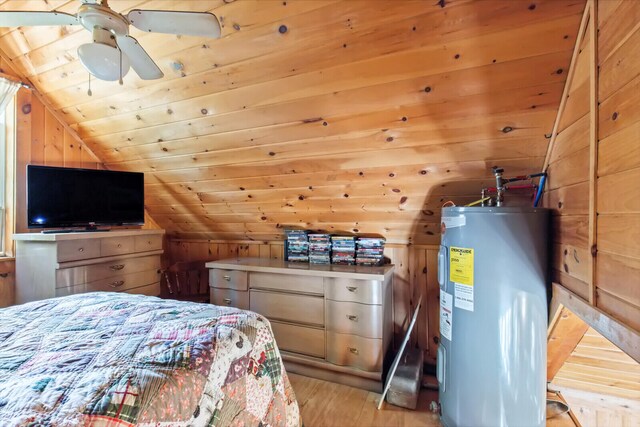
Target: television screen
{"points": [[67, 197]]}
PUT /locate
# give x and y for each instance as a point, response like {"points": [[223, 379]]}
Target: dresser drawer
{"points": [[353, 318], [288, 307], [73, 250], [299, 339], [228, 279], [150, 242], [362, 291], [92, 272], [110, 246], [287, 282], [122, 282], [230, 298], [354, 351]]}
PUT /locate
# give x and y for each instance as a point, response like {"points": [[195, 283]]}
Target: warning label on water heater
{"points": [[464, 296], [461, 274], [446, 315]]}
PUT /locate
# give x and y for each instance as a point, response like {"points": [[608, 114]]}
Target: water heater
{"points": [[492, 271]]}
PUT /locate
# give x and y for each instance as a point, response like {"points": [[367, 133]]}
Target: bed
{"points": [[115, 359]]}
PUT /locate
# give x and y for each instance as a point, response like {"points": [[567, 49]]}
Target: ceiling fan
{"points": [[113, 51]]}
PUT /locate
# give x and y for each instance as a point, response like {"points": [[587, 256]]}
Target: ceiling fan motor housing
{"points": [[94, 15]]}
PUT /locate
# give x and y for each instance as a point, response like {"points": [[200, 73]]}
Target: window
{"points": [[8, 89]]}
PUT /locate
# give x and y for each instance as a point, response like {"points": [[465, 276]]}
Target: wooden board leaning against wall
{"points": [[415, 275], [594, 172]]}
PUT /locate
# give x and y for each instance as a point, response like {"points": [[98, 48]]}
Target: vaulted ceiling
{"points": [[361, 116]]}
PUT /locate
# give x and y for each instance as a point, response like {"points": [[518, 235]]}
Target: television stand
{"points": [[72, 230]]}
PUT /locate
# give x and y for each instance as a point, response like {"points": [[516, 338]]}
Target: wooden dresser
{"points": [[330, 322], [58, 264]]}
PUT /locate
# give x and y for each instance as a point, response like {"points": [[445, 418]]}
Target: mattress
{"points": [[115, 359]]}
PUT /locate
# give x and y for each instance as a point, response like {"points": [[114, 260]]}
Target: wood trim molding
{"points": [[592, 5], [624, 337], [567, 85]]}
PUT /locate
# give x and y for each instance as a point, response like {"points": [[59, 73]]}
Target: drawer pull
{"points": [[116, 267], [119, 245], [227, 301], [352, 317], [80, 249], [352, 288], [117, 284], [353, 350], [227, 278]]}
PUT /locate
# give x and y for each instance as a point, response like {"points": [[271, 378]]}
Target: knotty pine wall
{"points": [[617, 276], [40, 139], [594, 167], [415, 275], [359, 116]]}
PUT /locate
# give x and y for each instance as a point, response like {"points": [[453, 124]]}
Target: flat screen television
{"points": [[68, 197]]}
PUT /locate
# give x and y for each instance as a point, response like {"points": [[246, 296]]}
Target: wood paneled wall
{"points": [[567, 190], [41, 139], [617, 275], [415, 275], [595, 167], [350, 116]]}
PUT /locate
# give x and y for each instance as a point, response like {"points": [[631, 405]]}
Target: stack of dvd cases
{"points": [[320, 248], [297, 246], [370, 251], [343, 250]]}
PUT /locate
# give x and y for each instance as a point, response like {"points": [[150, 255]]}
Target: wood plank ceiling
{"points": [[360, 116]]}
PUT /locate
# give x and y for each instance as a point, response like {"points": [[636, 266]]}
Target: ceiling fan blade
{"points": [[22, 19], [140, 61], [203, 24]]}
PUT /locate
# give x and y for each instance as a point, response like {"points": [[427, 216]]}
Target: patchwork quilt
{"points": [[114, 359]]}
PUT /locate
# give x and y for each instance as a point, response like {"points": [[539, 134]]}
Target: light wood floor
{"points": [[326, 404]]}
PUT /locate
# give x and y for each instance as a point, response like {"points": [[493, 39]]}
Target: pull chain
{"points": [[89, 91], [121, 82]]}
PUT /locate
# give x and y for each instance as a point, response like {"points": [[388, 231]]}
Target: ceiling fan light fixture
{"points": [[103, 61]]}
